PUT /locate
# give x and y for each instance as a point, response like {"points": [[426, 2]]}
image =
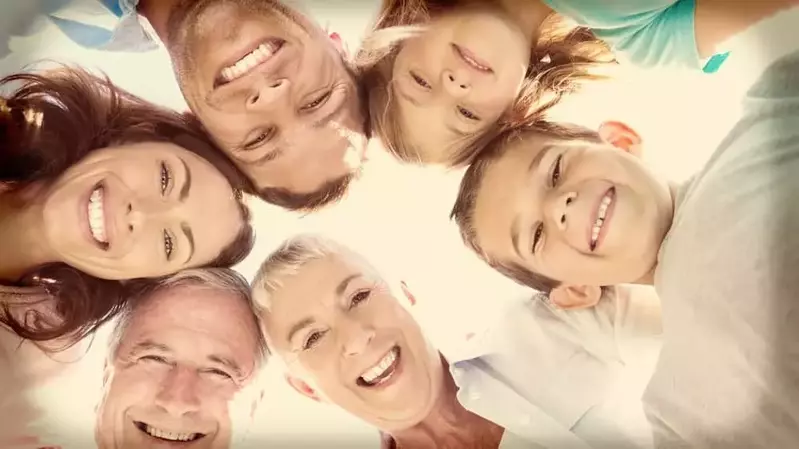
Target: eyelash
{"points": [[468, 114], [318, 102], [220, 373], [419, 80], [168, 245], [264, 136], [153, 358], [358, 298], [553, 179], [166, 178]]}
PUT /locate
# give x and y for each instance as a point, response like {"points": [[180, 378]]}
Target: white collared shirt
{"points": [[563, 379]]}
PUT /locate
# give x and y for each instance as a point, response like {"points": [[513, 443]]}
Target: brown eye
{"points": [[259, 139], [468, 114], [168, 245], [360, 297], [312, 340], [419, 80], [556, 170], [539, 231], [166, 178], [318, 102]]}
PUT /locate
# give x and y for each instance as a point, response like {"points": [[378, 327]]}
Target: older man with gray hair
{"points": [[180, 352]]}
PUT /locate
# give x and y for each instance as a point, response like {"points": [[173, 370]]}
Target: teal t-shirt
{"points": [[650, 33]]}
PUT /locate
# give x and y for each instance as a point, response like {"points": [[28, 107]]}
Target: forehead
{"points": [[192, 310], [503, 181]]}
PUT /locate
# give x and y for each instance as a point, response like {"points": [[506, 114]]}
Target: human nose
{"points": [[559, 208], [139, 212], [269, 94], [178, 394], [357, 337], [455, 82]]}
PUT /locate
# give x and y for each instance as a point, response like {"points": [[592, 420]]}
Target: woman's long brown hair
{"points": [[50, 122], [563, 58]]}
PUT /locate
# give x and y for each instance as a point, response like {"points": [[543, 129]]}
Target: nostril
{"points": [[130, 208], [563, 219], [254, 99], [463, 86], [569, 200], [451, 78], [130, 228]]}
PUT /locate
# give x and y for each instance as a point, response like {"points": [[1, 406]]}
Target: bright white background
{"points": [[396, 215]]}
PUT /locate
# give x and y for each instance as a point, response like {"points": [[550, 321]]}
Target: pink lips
{"points": [[471, 59]]}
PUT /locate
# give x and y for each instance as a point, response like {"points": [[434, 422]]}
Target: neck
{"points": [[22, 239], [649, 277], [529, 14], [157, 13], [449, 425]]}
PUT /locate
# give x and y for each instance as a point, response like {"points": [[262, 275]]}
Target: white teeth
{"points": [[600, 219], [248, 62], [96, 215], [382, 366], [171, 436]]}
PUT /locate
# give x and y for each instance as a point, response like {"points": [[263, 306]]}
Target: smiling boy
{"points": [[566, 210]]}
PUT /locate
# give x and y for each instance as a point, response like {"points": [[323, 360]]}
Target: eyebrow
{"points": [[184, 191], [305, 322], [514, 227], [189, 238], [147, 345], [407, 97]]}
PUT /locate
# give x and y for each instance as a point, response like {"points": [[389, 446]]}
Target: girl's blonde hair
{"points": [[564, 56]]}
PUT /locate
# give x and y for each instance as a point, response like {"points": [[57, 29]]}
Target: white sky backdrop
{"points": [[397, 215]]}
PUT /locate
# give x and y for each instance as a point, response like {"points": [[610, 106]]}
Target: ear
{"points": [[302, 388], [339, 44], [575, 297], [407, 292], [621, 136]]}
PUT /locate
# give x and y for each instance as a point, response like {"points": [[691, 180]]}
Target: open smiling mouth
{"points": [[175, 437], [471, 59], [603, 214], [95, 211], [384, 370], [247, 63]]}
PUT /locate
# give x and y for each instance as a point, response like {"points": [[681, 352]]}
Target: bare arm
{"points": [[716, 21]]}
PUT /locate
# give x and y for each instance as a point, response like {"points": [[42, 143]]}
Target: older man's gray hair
{"points": [[223, 280]]}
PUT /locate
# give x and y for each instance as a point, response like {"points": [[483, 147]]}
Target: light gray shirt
{"points": [[728, 279], [563, 379]]}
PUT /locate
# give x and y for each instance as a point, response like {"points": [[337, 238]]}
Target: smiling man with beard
{"points": [[174, 367], [268, 83]]}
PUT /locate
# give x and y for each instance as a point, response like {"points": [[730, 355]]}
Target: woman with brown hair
{"points": [[99, 191]]}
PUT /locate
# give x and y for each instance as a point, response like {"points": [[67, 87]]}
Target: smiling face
{"points": [[175, 371], [581, 213], [340, 329], [452, 83], [140, 210], [273, 91]]}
